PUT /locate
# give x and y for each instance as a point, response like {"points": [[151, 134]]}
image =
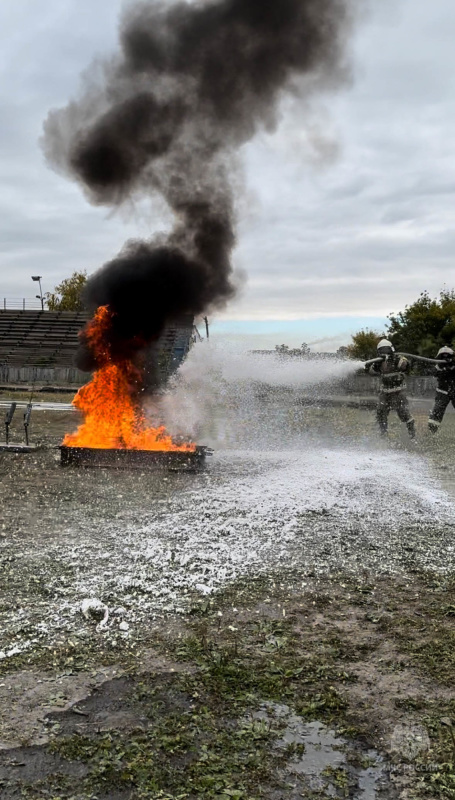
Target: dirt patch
{"points": [[27, 697]]}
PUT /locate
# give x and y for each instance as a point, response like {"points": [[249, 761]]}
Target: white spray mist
{"points": [[223, 396]]}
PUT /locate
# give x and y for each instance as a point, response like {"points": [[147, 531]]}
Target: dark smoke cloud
{"points": [[191, 84]]}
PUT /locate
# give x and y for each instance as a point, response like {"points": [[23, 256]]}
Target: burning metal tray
{"points": [[134, 459]]}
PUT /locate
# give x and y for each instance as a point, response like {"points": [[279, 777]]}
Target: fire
{"points": [[112, 416]]}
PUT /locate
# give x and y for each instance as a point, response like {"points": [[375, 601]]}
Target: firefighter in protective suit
{"points": [[445, 392], [392, 370]]}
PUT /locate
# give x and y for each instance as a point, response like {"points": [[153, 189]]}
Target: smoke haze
{"points": [[167, 114]]}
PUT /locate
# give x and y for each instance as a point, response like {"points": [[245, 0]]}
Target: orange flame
{"points": [[112, 418]]}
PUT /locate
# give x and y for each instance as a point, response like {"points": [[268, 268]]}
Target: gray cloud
{"points": [[362, 234]]}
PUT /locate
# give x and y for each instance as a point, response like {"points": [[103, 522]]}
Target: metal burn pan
{"points": [[177, 460]]}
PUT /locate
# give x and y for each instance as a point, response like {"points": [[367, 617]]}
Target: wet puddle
{"points": [[325, 762]]}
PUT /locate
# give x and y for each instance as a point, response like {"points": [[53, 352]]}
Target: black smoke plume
{"points": [[192, 82]]}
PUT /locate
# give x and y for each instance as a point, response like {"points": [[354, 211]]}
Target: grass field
{"points": [[282, 626]]}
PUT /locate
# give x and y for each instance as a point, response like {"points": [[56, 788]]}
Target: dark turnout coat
{"points": [[445, 375], [392, 371], [445, 393]]}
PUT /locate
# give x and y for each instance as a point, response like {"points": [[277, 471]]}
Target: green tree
{"points": [[424, 326], [285, 350], [364, 344], [67, 295]]}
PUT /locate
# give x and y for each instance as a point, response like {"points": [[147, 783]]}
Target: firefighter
{"points": [[445, 392], [392, 370]]}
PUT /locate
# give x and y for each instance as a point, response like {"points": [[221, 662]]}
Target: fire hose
{"points": [[422, 358], [407, 355], [373, 361]]}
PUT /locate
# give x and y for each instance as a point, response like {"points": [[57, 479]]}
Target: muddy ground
{"points": [[312, 667]]}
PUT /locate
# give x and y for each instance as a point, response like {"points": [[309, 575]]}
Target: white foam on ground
{"points": [[315, 510], [319, 509]]}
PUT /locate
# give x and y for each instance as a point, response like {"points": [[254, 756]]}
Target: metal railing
{"points": [[20, 304]]}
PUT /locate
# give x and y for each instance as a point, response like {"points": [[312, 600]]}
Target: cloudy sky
{"points": [[348, 211]]}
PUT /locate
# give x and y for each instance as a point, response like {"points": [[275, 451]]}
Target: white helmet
{"points": [[385, 343], [445, 351]]}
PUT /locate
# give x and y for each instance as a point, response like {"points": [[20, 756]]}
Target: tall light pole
{"points": [[40, 295]]}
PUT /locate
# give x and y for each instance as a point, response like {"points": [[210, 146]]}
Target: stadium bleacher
{"points": [[173, 345], [39, 338], [50, 339]]}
